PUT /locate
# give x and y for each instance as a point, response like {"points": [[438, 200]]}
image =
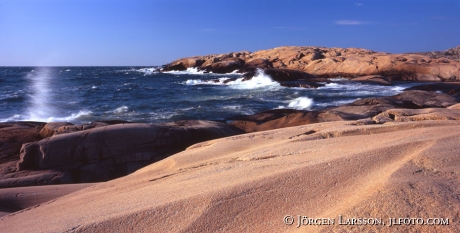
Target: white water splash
{"points": [[259, 80], [40, 106]]}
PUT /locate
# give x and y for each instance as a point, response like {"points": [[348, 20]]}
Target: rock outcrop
{"points": [[365, 110], [333, 62], [107, 152]]}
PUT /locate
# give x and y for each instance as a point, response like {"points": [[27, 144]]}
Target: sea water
{"points": [[142, 94]]}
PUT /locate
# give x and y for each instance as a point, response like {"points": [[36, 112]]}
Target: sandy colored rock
{"points": [[275, 119], [16, 199], [455, 106], [51, 128], [402, 115], [374, 79], [335, 62], [249, 183]]}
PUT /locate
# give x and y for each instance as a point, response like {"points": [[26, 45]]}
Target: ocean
{"points": [[142, 94]]}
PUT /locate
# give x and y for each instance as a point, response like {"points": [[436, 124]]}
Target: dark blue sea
{"points": [[142, 94]]}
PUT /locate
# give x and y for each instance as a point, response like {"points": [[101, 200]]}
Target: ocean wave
{"points": [[338, 79], [13, 118], [148, 71], [121, 109], [196, 71], [300, 103], [259, 80], [190, 70], [81, 116]]}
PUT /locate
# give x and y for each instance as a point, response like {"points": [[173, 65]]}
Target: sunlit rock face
{"points": [[333, 62]]}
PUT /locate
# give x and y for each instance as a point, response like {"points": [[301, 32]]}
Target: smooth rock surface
{"points": [[108, 152]]}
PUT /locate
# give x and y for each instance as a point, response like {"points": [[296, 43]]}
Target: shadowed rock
{"points": [[446, 88], [108, 152]]}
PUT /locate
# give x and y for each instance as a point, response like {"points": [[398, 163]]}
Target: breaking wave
{"points": [[259, 80], [300, 103]]}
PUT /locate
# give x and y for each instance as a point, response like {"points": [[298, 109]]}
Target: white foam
{"points": [[300, 103], [190, 70], [196, 71], [148, 71], [219, 81], [94, 87], [81, 116], [338, 79], [260, 80], [121, 109], [13, 118]]}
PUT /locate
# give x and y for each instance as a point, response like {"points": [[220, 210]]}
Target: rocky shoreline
{"points": [[301, 63], [38, 153]]}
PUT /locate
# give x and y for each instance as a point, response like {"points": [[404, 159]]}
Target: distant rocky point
{"points": [[290, 63]]}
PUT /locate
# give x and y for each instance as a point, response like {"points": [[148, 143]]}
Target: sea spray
{"points": [[260, 80], [40, 107], [301, 103]]}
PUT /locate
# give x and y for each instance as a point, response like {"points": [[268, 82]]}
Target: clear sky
{"points": [[155, 32]]}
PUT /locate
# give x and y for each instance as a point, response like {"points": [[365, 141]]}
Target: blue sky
{"points": [[155, 32]]}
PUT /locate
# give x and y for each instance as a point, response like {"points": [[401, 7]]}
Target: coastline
{"points": [[360, 160]]}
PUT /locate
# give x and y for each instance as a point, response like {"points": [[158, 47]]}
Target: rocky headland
{"points": [[293, 63], [381, 157]]}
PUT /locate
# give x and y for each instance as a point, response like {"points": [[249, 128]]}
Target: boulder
{"points": [[404, 115], [446, 88], [14, 134], [51, 128], [69, 128], [112, 151], [225, 66], [375, 79], [275, 119]]}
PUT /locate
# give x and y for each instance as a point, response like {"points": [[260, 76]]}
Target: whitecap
{"points": [[121, 109], [338, 79], [13, 118], [81, 116], [260, 80], [219, 81], [190, 70], [148, 71], [300, 103]]}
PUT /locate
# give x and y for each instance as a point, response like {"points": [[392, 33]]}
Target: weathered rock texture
{"points": [[249, 183], [12, 136], [108, 152], [333, 62]]}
